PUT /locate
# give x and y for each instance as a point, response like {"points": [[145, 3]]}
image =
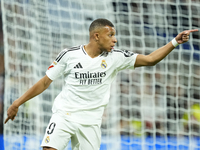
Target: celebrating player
{"points": [[89, 71]]}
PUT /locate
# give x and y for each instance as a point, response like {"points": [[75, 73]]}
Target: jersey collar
{"points": [[89, 56]]}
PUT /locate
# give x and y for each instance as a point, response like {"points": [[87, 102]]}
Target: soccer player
{"points": [[89, 71]]}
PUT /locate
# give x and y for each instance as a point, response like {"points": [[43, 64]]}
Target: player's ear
{"points": [[96, 36]]}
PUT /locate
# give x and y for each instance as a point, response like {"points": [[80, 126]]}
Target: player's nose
{"points": [[114, 39]]}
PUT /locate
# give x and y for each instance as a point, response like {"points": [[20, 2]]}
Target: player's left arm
{"points": [[159, 54]]}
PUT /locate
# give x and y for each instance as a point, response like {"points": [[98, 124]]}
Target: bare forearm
{"points": [[35, 90], [161, 53], [32, 92]]}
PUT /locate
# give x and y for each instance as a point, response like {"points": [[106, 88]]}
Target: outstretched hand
{"points": [[184, 36], [11, 112]]}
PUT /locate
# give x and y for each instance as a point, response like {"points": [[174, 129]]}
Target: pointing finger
{"points": [[194, 30], [6, 120], [189, 31]]}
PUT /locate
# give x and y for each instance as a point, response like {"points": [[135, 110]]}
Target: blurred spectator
{"points": [[191, 121]]}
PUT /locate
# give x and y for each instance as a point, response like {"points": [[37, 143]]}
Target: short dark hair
{"points": [[100, 23]]}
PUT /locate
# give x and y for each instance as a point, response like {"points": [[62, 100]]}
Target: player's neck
{"points": [[92, 50]]}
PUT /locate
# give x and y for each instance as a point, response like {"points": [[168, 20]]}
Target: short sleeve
{"points": [[57, 68], [126, 59]]}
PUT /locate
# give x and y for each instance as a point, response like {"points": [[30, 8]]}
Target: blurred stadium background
{"points": [[151, 108]]}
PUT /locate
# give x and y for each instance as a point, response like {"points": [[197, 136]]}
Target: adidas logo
{"points": [[78, 65]]}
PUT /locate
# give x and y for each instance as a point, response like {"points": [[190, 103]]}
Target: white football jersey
{"points": [[87, 82]]}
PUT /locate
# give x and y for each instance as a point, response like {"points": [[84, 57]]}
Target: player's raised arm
{"points": [[35, 90], [162, 52]]}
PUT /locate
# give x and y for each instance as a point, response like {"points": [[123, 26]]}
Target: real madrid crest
{"points": [[103, 64], [47, 139]]}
